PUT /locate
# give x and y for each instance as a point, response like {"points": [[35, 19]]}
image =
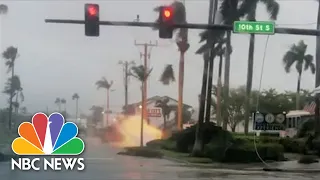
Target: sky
{"points": [[57, 60]]}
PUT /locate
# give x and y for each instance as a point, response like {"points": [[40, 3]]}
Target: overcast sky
{"points": [[57, 60]]}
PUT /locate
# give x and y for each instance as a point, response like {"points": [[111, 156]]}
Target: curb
{"points": [[247, 169], [292, 170]]}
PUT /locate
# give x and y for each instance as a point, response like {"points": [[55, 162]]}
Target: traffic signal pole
{"points": [[308, 32]]}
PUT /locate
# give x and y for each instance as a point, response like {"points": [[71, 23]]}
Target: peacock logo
{"points": [[48, 136]]}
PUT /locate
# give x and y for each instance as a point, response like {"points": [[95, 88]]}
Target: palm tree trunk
{"points": [[226, 80], [108, 107], [298, 92], [11, 98], [249, 83], [77, 108], [209, 86], [219, 93], [17, 105], [180, 89], [59, 107], [317, 115], [142, 114], [197, 147]]}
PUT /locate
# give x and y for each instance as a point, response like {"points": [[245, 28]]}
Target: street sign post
{"points": [[254, 27]]}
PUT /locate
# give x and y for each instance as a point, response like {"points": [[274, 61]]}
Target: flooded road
{"points": [[102, 163]]}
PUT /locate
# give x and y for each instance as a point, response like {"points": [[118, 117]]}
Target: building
{"points": [[155, 113]]}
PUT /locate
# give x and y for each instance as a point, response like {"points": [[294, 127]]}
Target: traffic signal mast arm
{"points": [[309, 32]]}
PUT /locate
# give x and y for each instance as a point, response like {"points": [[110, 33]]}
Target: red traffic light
{"points": [[92, 10], [167, 13]]}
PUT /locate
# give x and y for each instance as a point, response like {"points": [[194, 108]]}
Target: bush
{"points": [[308, 160], [293, 145], [210, 132], [143, 152], [162, 144], [245, 153], [243, 134]]}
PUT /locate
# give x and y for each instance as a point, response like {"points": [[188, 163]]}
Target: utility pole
{"points": [[146, 56], [126, 73]]}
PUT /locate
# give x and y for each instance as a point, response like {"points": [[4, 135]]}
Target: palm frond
{"points": [[167, 75]]}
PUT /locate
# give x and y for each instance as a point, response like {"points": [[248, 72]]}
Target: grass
{"points": [[159, 153], [185, 157]]}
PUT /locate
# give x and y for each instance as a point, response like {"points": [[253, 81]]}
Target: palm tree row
{"points": [[231, 10], [62, 101]]}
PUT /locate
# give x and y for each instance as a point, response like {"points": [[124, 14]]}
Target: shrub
{"points": [[210, 132], [293, 145], [143, 152], [308, 160], [244, 153]]}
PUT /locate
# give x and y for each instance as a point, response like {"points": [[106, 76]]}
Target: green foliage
{"points": [[104, 83], [141, 73], [297, 55], [167, 75], [96, 115], [143, 152]]}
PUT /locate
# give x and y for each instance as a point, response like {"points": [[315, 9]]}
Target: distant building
{"points": [[155, 113]]}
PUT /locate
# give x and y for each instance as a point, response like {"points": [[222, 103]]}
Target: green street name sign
{"points": [[254, 27]]}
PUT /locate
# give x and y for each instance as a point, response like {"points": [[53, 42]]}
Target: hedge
{"points": [[245, 153]]}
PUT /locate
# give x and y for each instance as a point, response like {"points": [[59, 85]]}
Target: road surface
{"points": [[102, 163]]}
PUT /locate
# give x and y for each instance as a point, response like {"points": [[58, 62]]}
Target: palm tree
{"points": [[167, 75], [297, 55], [229, 14], [76, 97], [141, 73], [105, 84], [10, 55], [317, 115], [3, 9], [64, 102], [248, 8], [166, 110], [183, 45], [58, 103], [13, 86]]}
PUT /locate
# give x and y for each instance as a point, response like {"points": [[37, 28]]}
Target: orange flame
{"points": [[130, 130]]}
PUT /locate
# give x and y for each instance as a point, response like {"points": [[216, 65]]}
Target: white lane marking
{"points": [[102, 159]]}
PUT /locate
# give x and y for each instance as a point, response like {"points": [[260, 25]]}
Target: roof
{"points": [[156, 98], [298, 113]]}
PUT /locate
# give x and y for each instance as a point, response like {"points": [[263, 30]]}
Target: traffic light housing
{"points": [[166, 22], [92, 27]]}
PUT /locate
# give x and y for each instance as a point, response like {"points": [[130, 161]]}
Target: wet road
{"points": [[102, 163]]}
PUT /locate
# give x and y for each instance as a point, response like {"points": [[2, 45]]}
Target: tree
{"points": [[3, 9], [248, 8], [13, 86], [183, 45], [96, 116], [229, 14], [141, 73], [105, 84], [166, 110], [167, 75], [10, 55], [76, 97], [64, 102], [297, 55], [58, 103]]}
